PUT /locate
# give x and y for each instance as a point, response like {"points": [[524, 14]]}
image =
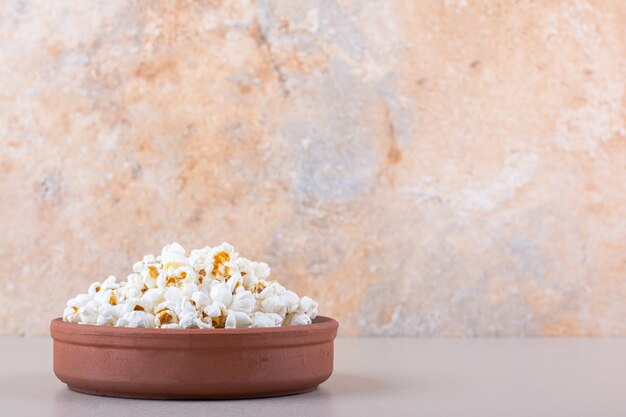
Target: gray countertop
{"points": [[389, 377]]}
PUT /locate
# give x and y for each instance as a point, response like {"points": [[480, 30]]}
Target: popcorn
{"points": [[237, 319], [243, 301], [88, 313], [296, 319], [260, 319], [308, 306], [136, 319], [211, 287], [70, 314]]}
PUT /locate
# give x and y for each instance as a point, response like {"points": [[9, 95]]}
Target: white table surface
{"points": [[373, 377]]}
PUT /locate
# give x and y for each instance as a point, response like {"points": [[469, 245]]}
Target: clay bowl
{"points": [[193, 363]]}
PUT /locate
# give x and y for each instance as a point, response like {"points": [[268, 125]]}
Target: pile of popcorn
{"points": [[205, 288]]}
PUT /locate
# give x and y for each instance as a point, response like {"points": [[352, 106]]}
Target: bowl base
{"points": [[207, 396]]}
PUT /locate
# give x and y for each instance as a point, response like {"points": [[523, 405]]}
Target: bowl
{"points": [[193, 363]]}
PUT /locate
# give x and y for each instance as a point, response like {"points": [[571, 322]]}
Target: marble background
{"points": [[429, 168]]}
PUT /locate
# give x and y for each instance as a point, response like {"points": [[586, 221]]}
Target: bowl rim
{"points": [[320, 324]]}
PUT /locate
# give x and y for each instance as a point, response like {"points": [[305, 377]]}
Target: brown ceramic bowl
{"points": [[193, 363]]}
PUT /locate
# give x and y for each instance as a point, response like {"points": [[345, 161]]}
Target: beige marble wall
{"points": [[432, 168]]}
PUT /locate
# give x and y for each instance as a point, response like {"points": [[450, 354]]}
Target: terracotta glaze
{"points": [[193, 363]]}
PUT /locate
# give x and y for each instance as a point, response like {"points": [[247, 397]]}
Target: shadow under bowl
{"points": [[193, 363]]}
